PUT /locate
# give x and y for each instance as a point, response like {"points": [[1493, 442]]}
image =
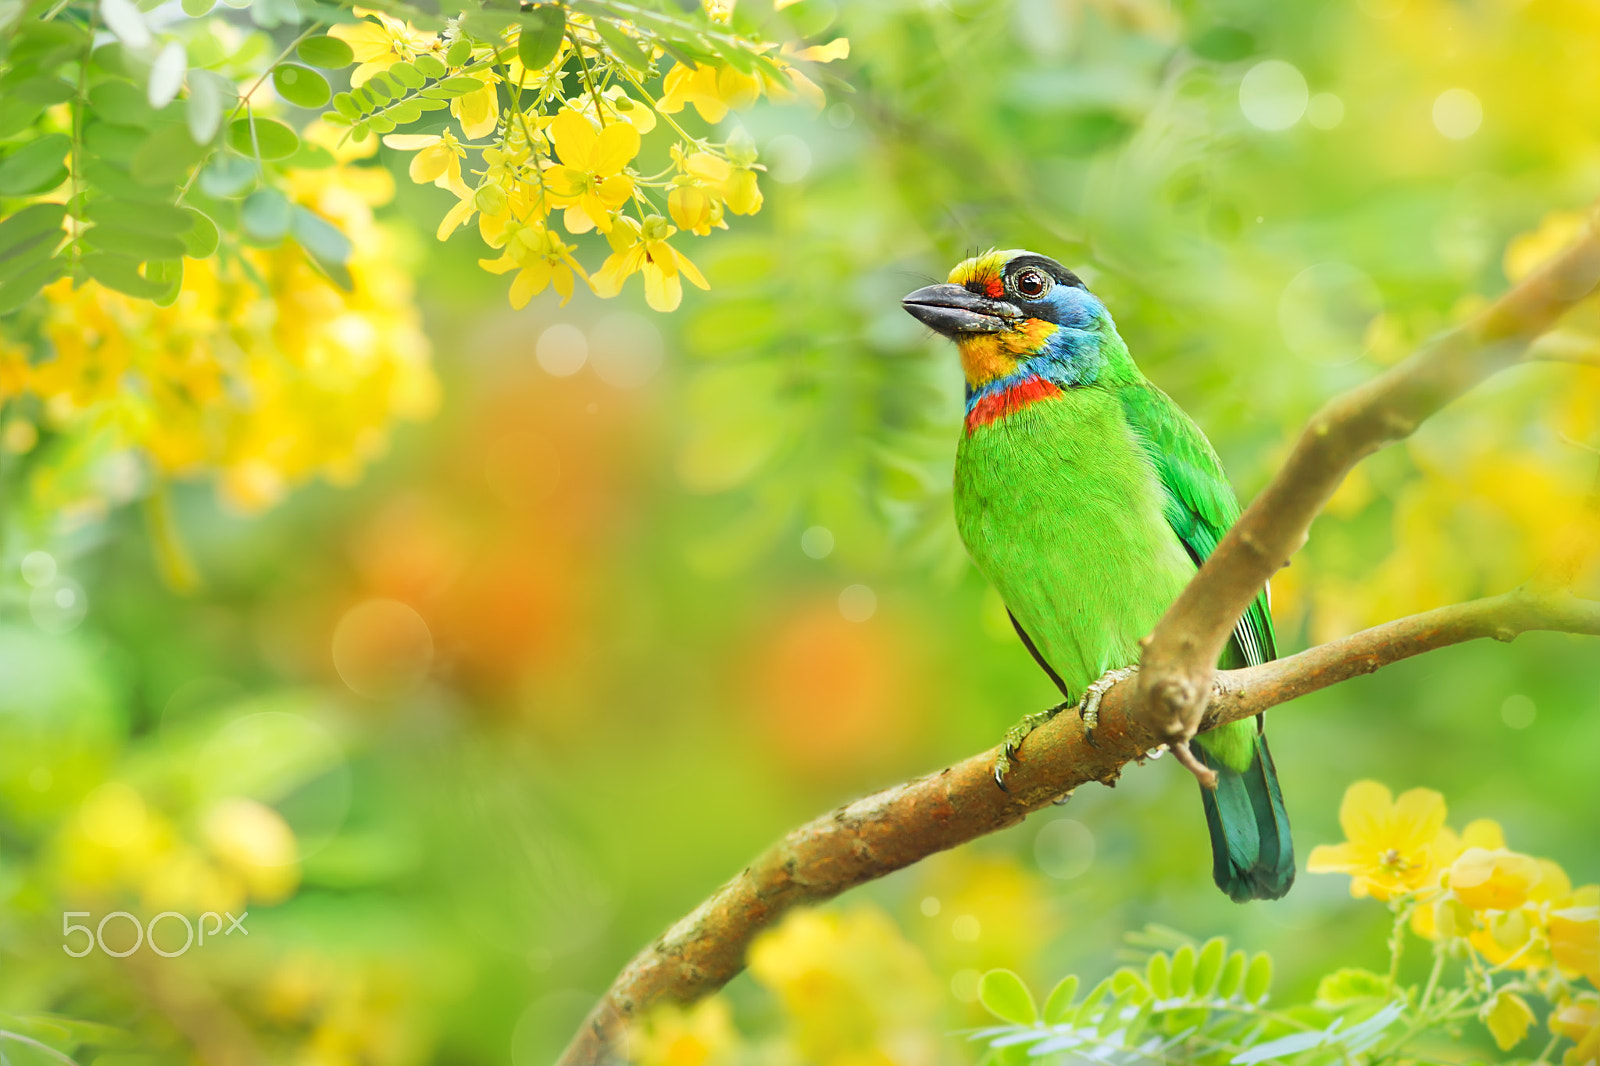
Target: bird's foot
{"points": [[1013, 742], [1089, 706]]}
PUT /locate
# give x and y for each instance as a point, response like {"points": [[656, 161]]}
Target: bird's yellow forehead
{"points": [[984, 271]]}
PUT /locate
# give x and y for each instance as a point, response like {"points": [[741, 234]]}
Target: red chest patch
{"points": [[1014, 398]]}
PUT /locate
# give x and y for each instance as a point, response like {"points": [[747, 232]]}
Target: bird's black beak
{"points": [[952, 310]]}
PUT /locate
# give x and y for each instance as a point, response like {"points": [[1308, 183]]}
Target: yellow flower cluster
{"points": [[263, 372], [554, 148], [118, 846], [852, 991], [1468, 890], [1501, 489]]}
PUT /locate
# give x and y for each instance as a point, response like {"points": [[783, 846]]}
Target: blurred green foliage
{"points": [[648, 591]]}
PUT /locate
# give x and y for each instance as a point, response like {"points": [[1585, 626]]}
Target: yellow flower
{"points": [[1526, 252], [438, 158], [1575, 933], [1508, 1017], [1390, 844], [694, 209], [590, 181], [712, 91], [838, 48], [645, 249], [1579, 1021], [263, 373], [618, 104], [853, 991], [541, 260], [1492, 880], [479, 111], [380, 45], [701, 1035]]}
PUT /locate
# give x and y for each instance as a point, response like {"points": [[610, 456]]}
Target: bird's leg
{"points": [[1089, 707], [1014, 738]]}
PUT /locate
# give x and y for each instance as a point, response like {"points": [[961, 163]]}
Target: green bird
{"points": [[1088, 499]]}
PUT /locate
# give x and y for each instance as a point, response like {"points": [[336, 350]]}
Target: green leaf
{"points": [[539, 39], [460, 52], [1258, 978], [121, 272], [28, 226], [25, 286], [265, 216], [166, 74], [329, 53], [167, 273], [166, 157], [272, 139], [117, 144], [227, 176], [405, 111], [205, 104], [157, 219], [196, 8], [301, 86], [451, 87], [201, 238], [407, 75], [623, 46], [1158, 972], [134, 243], [430, 65], [1350, 985], [385, 86], [1209, 965], [1004, 995], [1232, 975], [346, 105], [36, 166], [1058, 1007], [1183, 970], [325, 244], [27, 257]]}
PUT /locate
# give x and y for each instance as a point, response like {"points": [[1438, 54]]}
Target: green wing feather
{"points": [[1253, 856], [1200, 502]]}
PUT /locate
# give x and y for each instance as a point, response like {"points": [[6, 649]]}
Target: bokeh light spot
{"points": [[788, 159], [858, 603], [966, 928], [1518, 711], [817, 542], [59, 606], [930, 906], [562, 350], [1064, 849], [382, 649], [1273, 95], [1457, 114], [1324, 312], [626, 350], [38, 568], [113, 815], [1325, 111]]}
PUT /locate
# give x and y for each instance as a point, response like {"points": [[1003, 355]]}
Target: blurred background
{"points": [[603, 601]]}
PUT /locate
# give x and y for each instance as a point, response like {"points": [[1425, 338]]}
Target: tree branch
{"points": [[899, 826], [1180, 656]]}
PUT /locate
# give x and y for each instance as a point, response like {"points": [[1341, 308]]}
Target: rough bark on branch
{"points": [[1180, 656], [894, 828]]}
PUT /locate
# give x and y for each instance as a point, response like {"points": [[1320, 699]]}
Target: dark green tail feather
{"points": [[1252, 855]]}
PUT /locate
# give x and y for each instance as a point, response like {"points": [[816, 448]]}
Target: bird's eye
{"points": [[1032, 284]]}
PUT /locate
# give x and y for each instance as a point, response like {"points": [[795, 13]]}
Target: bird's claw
{"points": [[1013, 743], [1089, 706]]}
